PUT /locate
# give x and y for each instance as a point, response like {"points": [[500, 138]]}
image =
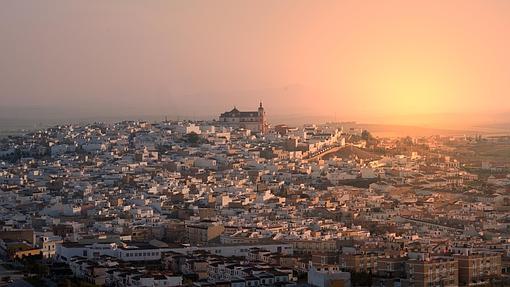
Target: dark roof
{"points": [[235, 113]]}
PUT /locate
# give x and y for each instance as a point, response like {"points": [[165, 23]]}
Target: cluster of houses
{"points": [[217, 204]]}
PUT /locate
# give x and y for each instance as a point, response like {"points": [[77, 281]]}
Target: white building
{"points": [[146, 252], [326, 276]]}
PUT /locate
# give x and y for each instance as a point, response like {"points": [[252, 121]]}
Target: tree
{"points": [[369, 138], [366, 135], [192, 138]]}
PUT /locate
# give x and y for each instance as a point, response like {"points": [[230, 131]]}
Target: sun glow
{"points": [[410, 84], [410, 91]]}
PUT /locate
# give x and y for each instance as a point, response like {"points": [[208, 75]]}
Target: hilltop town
{"points": [[237, 202]]}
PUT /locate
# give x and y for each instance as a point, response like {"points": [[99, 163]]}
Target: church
{"points": [[254, 121]]}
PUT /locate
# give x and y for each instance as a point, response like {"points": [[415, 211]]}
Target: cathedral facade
{"points": [[254, 121]]}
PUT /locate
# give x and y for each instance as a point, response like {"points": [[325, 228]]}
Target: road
{"points": [[11, 274]]}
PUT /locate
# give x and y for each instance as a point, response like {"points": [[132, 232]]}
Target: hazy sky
{"points": [[360, 60]]}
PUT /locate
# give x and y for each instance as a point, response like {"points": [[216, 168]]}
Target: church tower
{"points": [[261, 110], [262, 119]]}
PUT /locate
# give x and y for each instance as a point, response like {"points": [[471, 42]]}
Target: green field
{"points": [[499, 152], [474, 154]]}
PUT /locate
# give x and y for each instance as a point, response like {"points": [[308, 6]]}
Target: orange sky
{"points": [[395, 61]]}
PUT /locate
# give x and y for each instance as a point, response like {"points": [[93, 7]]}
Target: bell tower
{"points": [[262, 119], [261, 109]]}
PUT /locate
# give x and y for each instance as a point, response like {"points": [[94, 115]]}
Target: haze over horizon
{"points": [[427, 63]]}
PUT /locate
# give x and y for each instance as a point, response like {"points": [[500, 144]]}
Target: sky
{"points": [[430, 62]]}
